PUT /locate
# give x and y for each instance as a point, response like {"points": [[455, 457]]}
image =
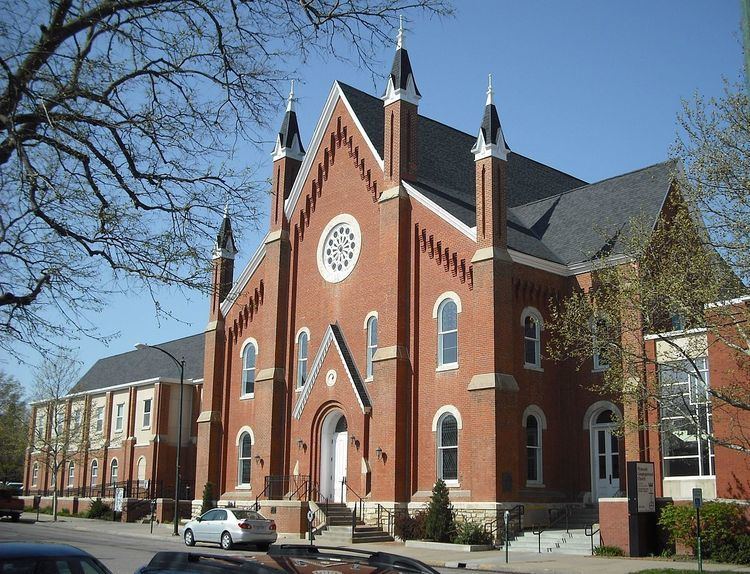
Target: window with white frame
{"points": [[59, 419], [147, 413], [35, 474], [119, 415], [71, 473], [372, 344], [94, 472], [686, 420], [302, 341], [249, 356], [41, 424], [531, 320], [533, 450], [114, 470], [99, 419], [244, 459], [599, 326], [447, 448], [447, 333]]}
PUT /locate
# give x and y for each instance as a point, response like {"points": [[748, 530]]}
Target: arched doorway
{"points": [[605, 455], [334, 440]]}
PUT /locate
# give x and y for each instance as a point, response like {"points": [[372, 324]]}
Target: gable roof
{"points": [[141, 365]]}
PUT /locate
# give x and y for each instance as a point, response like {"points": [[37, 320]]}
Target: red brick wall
{"points": [[613, 520]]}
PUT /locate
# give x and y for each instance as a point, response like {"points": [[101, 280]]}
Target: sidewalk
{"points": [[520, 562]]}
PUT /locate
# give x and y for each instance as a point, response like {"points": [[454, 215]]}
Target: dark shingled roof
{"points": [[139, 365], [491, 125], [401, 70], [225, 233], [552, 215], [289, 129]]}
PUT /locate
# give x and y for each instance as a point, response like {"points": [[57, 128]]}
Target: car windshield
{"points": [[247, 515], [65, 565]]}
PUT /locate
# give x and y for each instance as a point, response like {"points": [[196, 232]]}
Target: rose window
{"points": [[339, 248]]}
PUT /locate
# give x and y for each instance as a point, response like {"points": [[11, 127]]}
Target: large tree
{"points": [[13, 428], [685, 274], [124, 127]]}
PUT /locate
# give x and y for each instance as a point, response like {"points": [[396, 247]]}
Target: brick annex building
{"points": [[389, 329]]}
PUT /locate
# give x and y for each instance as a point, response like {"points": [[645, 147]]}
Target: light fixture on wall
{"points": [[353, 439], [300, 444], [257, 459], [379, 453]]}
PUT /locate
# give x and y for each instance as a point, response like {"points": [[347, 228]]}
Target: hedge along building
{"points": [[124, 413], [389, 329]]}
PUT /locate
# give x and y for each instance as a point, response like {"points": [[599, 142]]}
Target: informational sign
{"points": [[119, 496], [310, 516], [697, 497], [641, 487]]}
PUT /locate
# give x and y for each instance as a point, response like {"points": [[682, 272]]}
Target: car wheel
{"points": [[263, 546], [189, 538], [226, 541]]}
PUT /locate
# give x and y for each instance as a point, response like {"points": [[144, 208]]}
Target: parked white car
{"points": [[230, 526]]}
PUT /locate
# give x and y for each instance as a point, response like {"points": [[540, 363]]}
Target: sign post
{"points": [[310, 518], [697, 503], [506, 518], [119, 496]]}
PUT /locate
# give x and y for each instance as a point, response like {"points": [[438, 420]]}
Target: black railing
{"points": [[385, 515], [554, 516], [590, 532], [359, 505], [496, 527], [139, 489]]}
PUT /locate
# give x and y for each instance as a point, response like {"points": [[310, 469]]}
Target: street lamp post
{"points": [[181, 364]]}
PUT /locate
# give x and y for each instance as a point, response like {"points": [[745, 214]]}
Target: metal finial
{"points": [[400, 37], [226, 208], [290, 99], [490, 91]]}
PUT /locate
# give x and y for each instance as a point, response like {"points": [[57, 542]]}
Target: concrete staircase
{"points": [[558, 540], [338, 529]]}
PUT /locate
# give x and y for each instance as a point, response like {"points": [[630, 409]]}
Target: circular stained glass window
{"points": [[339, 247]]}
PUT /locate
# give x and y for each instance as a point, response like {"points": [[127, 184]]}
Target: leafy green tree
{"points": [[14, 427], [440, 521], [209, 498]]}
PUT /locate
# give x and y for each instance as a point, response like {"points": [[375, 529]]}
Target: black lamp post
{"points": [[181, 364]]}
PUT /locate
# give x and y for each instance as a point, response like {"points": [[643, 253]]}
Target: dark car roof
{"points": [[38, 550]]}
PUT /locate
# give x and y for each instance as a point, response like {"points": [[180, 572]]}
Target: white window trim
{"points": [[444, 298], [35, 474], [94, 465], [119, 418], [447, 409], [114, 463], [71, 479], [306, 331], [598, 367], [150, 402], [244, 431], [439, 448], [368, 361], [534, 313], [245, 343], [99, 419], [541, 420]]}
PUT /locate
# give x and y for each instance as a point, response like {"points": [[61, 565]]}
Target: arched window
{"points": [[372, 343], [447, 333], [35, 474], [114, 468], [71, 473], [531, 320], [447, 455], [141, 471], [302, 340], [249, 356], [599, 332], [94, 472], [533, 450], [244, 458]]}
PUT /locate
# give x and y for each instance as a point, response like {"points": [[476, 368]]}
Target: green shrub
{"points": [[98, 509], [410, 527], [63, 512], [736, 553], [608, 551], [209, 501], [45, 510], [724, 527], [439, 525], [471, 533]]}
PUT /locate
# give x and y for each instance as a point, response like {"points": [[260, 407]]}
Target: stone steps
{"points": [[574, 542], [339, 531]]}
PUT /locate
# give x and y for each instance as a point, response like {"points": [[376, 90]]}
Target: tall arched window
{"points": [[447, 333], [244, 459], [114, 468], [599, 328], [249, 356], [94, 472], [141, 471], [533, 450], [372, 343], [35, 474], [531, 320], [447, 455], [71, 473], [302, 340]]}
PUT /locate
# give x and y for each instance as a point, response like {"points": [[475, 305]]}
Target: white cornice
{"points": [[675, 334], [244, 278], [728, 302], [470, 232], [121, 386], [538, 263]]}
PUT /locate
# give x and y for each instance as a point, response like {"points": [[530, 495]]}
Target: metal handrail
{"points": [[589, 531], [359, 504], [493, 526], [563, 512], [256, 506], [391, 522]]}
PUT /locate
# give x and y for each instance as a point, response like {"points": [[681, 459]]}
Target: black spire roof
{"points": [[401, 70], [225, 233], [491, 125], [290, 129]]}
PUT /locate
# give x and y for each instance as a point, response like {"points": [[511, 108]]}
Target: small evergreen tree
{"points": [[208, 498], [439, 525]]}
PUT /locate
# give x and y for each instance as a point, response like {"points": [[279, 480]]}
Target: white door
{"points": [[605, 462], [339, 472]]}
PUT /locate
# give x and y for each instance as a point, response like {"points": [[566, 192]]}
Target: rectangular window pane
{"points": [[450, 463], [681, 467], [530, 352], [603, 466], [245, 472], [531, 466], [450, 348]]}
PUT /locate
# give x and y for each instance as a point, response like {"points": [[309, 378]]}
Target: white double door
{"points": [[333, 460], [605, 454]]}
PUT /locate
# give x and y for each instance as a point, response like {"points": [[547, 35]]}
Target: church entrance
{"points": [[334, 440], [605, 456]]}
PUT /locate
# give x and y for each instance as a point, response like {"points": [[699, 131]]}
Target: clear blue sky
{"points": [[590, 87]]}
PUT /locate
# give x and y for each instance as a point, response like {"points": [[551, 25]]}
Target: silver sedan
{"points": [[230, 526]]}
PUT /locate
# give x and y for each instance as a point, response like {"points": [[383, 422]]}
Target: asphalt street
{"points": [[121, 553]]}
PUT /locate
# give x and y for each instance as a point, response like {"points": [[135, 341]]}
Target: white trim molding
{"points": [[247, 342], [367, 318], [447, 409], [598, 407], [244, 278], [536, 411], [442, 297], [244, 429]]}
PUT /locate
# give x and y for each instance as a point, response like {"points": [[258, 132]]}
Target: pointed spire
{"points": [[490, 141], [289, 141], [401, 84], [225, 247]]}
